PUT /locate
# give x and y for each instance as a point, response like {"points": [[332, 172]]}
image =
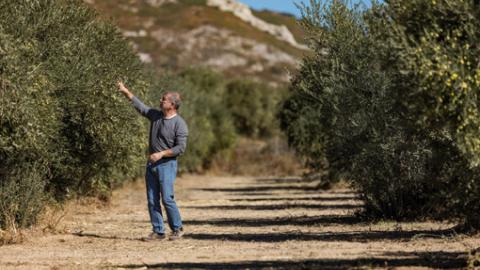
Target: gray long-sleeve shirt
{"points": [[164, 133]]}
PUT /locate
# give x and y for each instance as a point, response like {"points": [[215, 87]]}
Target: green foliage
{"points": [[21, 201], [436, 45], [339, 97], [300, 115], [437, 56], [64, 128], [205, 102], [28, 128], [253, 106], [367, 104]]}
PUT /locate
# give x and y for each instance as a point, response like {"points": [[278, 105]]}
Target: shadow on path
{"points": [[294, 221], [277, 206], [285, 180], [438, 260], [299, 198], [260, 188], [261, 193], [113, 237], [255, 194], [353, 236]]}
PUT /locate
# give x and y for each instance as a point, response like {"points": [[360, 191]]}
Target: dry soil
{"points": [[238, 223]]}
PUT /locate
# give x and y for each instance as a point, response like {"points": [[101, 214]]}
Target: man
{"points": [[168, 139]]}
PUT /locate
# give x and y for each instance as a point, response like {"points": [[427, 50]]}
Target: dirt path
{"points": [[238, 223]]}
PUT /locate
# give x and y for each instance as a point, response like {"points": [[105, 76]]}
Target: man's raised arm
{"points": [[124, 90], [141, 108]]}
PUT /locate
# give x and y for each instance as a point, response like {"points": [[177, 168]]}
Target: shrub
{"points": [[253, 106], [339, 102], [208, 101], [64, 128], [28, 130], [299, 117], [348, 99], [437, 57]]}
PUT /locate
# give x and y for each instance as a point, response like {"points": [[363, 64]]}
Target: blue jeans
{"points": [[160, 179]]}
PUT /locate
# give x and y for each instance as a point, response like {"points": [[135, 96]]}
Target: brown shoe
{"points": [[177, 234], [153, 236]]}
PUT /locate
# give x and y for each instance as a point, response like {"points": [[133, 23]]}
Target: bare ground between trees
{"points": [[239, 223]]}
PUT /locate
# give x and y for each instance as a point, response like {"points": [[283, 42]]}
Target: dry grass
{"points": [[258, 158], [51, 219], [11, 236], [54, 215]]}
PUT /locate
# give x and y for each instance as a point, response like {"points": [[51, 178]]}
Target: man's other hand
{"points": [[155, 157]]}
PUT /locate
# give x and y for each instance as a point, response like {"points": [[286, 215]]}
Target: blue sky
{"points": [[278, 5]]}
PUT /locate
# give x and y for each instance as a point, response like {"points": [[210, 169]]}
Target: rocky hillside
{"points": [[223, 34]]}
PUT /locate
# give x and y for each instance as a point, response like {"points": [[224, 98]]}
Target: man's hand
{"points": [[156, 157], [159, 155], [124, 90]]}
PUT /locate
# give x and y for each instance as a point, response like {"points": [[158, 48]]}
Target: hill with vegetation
{"points": [[223, 35]]}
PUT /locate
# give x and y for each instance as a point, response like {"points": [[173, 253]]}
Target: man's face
{"points": [[166, 103]]}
